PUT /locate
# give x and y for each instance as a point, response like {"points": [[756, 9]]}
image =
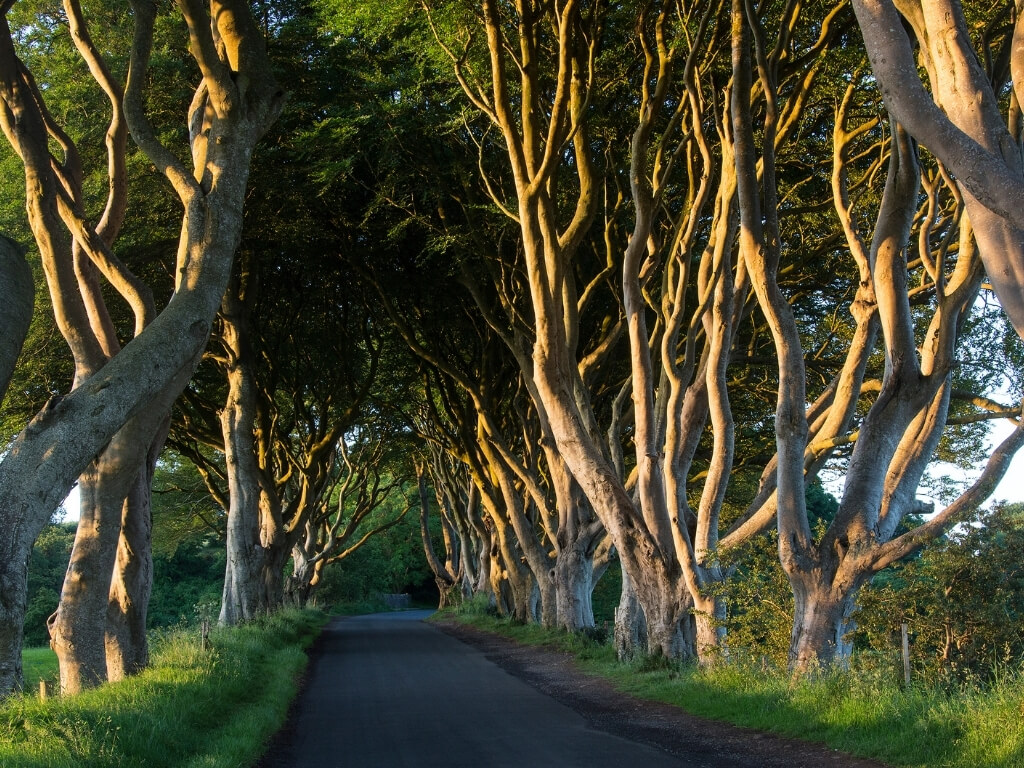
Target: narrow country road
{"points": [[390, 691]]}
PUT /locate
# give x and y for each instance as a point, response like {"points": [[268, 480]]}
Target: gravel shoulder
{"points": [[698, 741]]}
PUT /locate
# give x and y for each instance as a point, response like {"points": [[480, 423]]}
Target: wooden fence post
{"points": [[906, 654]]}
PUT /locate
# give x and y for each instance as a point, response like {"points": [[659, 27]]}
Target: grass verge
{"points": [[192, 707], [860, 712]]}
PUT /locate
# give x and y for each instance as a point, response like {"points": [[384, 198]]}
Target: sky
{"points": [[1010, 488]]}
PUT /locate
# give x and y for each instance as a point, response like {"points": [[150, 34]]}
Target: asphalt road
{"points": [[389, 691]]}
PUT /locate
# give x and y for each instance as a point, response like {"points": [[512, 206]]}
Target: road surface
{"points": [[389, 691]]}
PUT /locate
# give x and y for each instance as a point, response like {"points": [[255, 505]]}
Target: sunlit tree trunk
{"points": [[958, 119], [127, 644], [139, 383]]}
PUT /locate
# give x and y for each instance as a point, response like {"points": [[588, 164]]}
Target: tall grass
{"points": [[863, 712], [193, 707]]}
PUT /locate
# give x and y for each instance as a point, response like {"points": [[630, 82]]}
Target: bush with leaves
{"points": [[963, 600]]}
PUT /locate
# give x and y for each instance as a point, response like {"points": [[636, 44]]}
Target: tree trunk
{"points": [[630, 624], [448, 581], [78, 628], [577, 538], [17, 294], [127, 645], [503, 601], [13, 599], [16, 299], [573, 577], [256, 546], [449, 594], [821, 626], [298, 585], [275, 557], [127, 649], [671, 632], [709, 626], [526, 595], [243, 596]]}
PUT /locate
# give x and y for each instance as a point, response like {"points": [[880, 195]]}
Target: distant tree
{"points": [[390, 562], [46, 569]]}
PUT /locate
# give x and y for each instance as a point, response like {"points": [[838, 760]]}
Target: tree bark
{"points": [[822, 626], [78, 628], [959, 121], [17, 295], [127, 644], [244, 597], [577, 538], [630, 625], [573, 577], [17, 292]]}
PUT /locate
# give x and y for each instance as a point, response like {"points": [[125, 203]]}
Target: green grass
{"points": [[860, 712], [191, 708], [39, 664]]}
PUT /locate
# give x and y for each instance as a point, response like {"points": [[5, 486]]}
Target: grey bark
{"points": [[959, 121], [630, 626], [17, 294], [78, 628], [244, 596], [16, 299], [127, 640]]}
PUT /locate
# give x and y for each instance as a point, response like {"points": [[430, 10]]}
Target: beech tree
{"points": [[296, 391], [958, 117], [897, 434], [667, 548], [711, 223], [465, 569], [643, 208], [134, 388], [365, 497]]}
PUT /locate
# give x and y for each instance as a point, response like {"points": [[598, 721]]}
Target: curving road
{"points": [[389, 691]]}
